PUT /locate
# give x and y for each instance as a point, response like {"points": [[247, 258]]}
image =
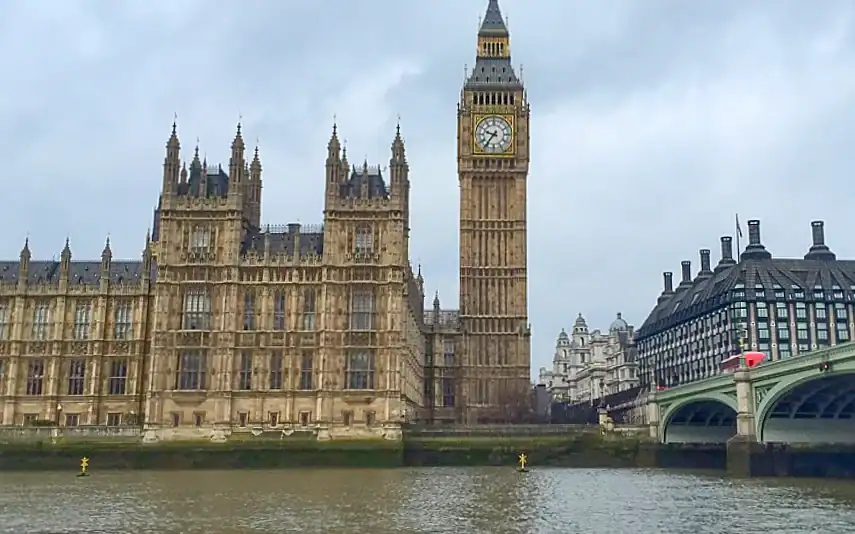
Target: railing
{"points": [[495, 430], [23, 434]]}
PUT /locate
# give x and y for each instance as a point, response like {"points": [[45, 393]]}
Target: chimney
{"points": [[686, 280], [726, 254], [705, 263], [819, 250], [755, 249], [668, 289]]}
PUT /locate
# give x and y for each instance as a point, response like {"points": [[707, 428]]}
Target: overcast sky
{"points": [[653, 123]]}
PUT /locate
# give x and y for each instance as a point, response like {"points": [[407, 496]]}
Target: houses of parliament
{"points": [[228, 323]]}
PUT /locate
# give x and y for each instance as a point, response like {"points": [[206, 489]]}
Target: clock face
{"points": [[493, 135]]}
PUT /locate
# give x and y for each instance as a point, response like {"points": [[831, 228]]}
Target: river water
{"points": [[428, 500]]}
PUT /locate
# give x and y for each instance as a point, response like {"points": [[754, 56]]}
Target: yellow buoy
{"points": [[84, 465], [523, 460]]}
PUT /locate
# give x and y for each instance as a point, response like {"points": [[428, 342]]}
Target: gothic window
{"points": [[363, 240], [308, 314], [118, 377], [197, 310], [362, 309], [200, 239], [448, 352], [5, 323], [360, 370], [306, 371], [41, 321], [245, 371], [190, 371], [35, 377], [76, 376], [122, 326], [249, 310], [276, 370], [279, 317], [82, 314], [448, 392]]}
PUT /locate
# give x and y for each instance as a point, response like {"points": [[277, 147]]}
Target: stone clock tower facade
{"points": [[493, 161]]}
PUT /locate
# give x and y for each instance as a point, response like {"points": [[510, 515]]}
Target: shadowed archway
{"points": [[701, 421], [818, 410]]}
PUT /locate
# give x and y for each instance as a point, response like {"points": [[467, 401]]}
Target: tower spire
{"points": [[493, 24]]}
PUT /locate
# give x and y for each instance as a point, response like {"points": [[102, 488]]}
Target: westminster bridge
{"points": [[804, 399]]}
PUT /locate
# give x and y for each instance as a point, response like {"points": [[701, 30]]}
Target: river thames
{"points": [[429, 500]]}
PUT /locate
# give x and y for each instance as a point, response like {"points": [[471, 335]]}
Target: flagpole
{"points": [[738, 236]]}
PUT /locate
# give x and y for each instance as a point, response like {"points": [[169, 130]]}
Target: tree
{"points": [[515, 405]]}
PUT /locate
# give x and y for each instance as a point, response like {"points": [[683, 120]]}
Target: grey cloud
{"points": [[653, 123]]}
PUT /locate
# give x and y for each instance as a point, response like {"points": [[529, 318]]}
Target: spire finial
{"points": [[175, 123]]}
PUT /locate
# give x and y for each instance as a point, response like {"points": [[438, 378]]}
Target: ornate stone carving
{"points": [[760, 394], [121, 347], [39, 347], [80, 348], [189, 339]]}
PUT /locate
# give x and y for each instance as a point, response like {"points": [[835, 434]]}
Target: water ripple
{"points": [[435, 501]]}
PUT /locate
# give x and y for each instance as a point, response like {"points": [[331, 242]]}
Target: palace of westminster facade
{"points": [[229, 323]]}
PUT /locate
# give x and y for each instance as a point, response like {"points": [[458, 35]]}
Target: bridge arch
{"points": [[709, 418], [810, 407]]}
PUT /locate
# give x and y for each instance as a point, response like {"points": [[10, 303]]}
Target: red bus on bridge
{"points": [[752, 359]]}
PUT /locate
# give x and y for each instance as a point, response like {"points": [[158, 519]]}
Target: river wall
{"points": [[587, 447]]}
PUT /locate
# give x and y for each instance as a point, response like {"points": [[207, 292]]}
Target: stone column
{"points": [[742, 447], [654, 415], [745, 423]]}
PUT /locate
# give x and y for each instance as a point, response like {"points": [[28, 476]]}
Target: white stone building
{"points": [[589, 365]]}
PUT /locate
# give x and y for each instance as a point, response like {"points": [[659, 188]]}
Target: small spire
{"points": [[25, 252], [255, 166], [107, 253], [173, 136], [66, 251], [238, 143]]}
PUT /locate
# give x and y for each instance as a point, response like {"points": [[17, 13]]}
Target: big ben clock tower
{"points": [[492, 160]]}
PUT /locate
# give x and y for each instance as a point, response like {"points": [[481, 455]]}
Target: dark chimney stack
{"points": [[755, 249], [754, 232], [819, 250], [726, 254], [686, 280], [706, 270], [668, 287], [818, 231], [726, 248]]}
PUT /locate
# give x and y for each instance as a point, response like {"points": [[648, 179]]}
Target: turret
{"points": [[106, 260], [252, 191], [399, 183], [172, 163], [64, 265], [237, 163], [24, 263], [334, 171]]}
